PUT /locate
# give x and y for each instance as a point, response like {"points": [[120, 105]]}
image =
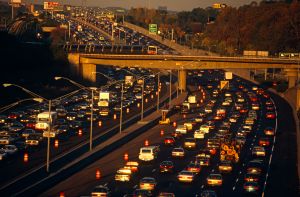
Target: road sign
{"points": [[224, 85], [228, 75], [152, 28]]}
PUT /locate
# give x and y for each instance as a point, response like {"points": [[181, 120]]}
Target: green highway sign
{"points": [[152, 28]]}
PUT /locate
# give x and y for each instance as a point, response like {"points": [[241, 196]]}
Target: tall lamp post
{"points": [[170, 88], [92, 89], [50, 119]]}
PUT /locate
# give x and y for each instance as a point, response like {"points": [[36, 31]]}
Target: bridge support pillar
{"points": [[182, 80], [292, 75], [88, 72], [74, 59]]}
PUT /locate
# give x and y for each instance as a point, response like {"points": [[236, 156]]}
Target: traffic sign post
{"points": [[153, 29]]}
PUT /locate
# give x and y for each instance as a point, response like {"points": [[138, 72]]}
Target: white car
{"points": [[181, 129], [199, 134]]}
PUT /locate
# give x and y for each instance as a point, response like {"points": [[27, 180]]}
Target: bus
{"points": [[152, 50]]}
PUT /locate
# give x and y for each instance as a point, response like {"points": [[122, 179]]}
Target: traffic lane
{"points": [[283, 179], [114, 161], [13, 167]]}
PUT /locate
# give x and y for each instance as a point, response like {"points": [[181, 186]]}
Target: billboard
{"points": [[51, 5], [15, 1]]}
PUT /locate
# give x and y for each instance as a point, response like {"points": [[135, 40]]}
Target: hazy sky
{"points": [[176, 5]]}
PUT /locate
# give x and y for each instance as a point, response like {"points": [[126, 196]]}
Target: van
{"points": [[148, 153]]}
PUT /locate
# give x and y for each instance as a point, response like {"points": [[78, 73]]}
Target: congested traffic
{"points": [[218, 143], [24, 129]]}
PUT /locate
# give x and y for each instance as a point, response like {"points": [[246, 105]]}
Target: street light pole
{"points": [[142, 113], [177, 82], [170, 88], [121, 110], [158, 88], [48, 138], [91, 127]]}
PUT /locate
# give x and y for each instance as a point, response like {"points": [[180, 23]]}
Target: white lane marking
{"points": [[153, 170], [271, 156], [213, 170], [202, 186], [135, 186], [105, 184], [233, 188]]}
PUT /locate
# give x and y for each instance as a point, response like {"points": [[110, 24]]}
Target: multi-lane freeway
{"points": [[246, 100]]}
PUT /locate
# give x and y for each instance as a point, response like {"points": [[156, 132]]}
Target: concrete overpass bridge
{"points": [[85, 64]]}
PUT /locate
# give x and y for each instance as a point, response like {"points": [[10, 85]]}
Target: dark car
{"points": [[166, 166]]}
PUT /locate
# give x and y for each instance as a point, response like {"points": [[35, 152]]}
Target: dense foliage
{"points": [[269, 26]]}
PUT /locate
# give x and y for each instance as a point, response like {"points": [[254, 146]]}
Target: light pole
{"points": [[5, 108], [121, 108], [69, 30], [109, 78], [158, 88], [170, 88], [49, 119], [142, 113], [92, 89]]}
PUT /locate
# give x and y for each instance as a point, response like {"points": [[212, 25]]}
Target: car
{"points": [[100, 190], [190, 143], [208, 193], [166, 166], [259, 151], [198, 134], [148, 183], [181, 129], [10, 149], [169, 141], [178, 152], [16, 127], [176, 134], [133, 165], [33, 140], [251, 187], [186, 176], [194, 167], [214, 179], [27, 132], [122, 177], [166, 194], [251, 177], [255, 166], [270, 115], [142, 192], [225, 166], [264, 141], [269, 131]]}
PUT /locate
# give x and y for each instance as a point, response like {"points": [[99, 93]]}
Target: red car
{"points": [[266, 95], [270, 115], [264, 141], [169, 141]]}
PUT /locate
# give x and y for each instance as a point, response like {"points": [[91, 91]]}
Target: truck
{"points": [[43, 122], [129, 80], [103, 103]]}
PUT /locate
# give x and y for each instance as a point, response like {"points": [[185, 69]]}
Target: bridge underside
{"points": [[85, 64]]}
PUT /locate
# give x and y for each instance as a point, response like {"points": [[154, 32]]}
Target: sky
{"points": [[175, 5]]}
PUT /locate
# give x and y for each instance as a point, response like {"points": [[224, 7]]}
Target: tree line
{"points": [[265, 26]]}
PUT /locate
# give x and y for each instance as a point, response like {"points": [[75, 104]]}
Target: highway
{"points": [[232, 182], [71, 145]]}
